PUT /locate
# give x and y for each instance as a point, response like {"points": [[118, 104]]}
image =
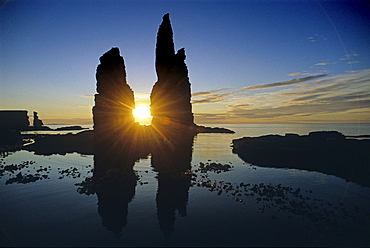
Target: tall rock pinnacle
{"points": [[170, 97], [112, 115], [115, 99]]}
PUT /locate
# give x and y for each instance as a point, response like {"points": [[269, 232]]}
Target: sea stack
{"points": [[170, 97], [112, 114], [115, 99], [36, 121]]}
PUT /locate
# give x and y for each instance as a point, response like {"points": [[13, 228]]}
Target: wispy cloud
{"points": [[203, 93], [210, 96], [282, 83], [303, 74], [339, 98]]}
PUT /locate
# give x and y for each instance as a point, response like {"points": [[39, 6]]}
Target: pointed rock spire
{"points": [[170, 97]]}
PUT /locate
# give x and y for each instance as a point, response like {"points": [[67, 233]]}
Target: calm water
{"points": [[48, 204]]}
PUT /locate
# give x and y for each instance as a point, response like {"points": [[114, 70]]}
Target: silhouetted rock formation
{"points": [[118, 142], [203, 129], [170, 97], [115, 99], [36, 121], [112, 114], [67, 128], [326, 152], [49, 144]]}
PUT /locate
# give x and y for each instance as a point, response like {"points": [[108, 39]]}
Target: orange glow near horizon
{"points": [[142, 114]]}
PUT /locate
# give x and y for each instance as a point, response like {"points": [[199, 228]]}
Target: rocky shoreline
{"points": [[328, 152]]}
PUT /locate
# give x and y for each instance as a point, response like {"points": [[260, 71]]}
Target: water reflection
{"points": [[115, 191], [114, 181], [171, 159]]}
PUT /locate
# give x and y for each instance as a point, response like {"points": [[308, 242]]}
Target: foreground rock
{"points": [[202, 129], [49, 144], [69, 128], [328, 152]]}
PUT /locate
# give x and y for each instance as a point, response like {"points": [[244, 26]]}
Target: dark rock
{"points": [[69, 128], [114, 124], [326, 152], [115, 99], [49, 144], [170, 97], [202, 129], [36, 121]]}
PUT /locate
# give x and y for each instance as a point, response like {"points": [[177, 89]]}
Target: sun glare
{"points": [[142, 115]]}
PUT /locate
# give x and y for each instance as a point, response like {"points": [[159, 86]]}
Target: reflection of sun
{"points": [[142, 114]]}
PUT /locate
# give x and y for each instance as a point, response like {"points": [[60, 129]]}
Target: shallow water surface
{"points": [[221, 201]]}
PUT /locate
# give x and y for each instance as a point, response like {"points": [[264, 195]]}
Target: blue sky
{"points": [[248, 61]]}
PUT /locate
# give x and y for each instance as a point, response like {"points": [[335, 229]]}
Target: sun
{"points": [[142, 115]]}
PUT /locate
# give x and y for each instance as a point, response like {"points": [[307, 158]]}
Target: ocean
{"points": [[49, 200]]}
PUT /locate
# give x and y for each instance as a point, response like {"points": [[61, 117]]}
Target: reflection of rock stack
{"points": [[171, 160], [112, 114], [170, 97], [115, 191]]}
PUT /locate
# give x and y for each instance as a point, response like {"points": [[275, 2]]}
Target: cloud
{"points": [[322, 63], [282, 83], [297, 74], [208, 92], [349, 55], [339, 98], [239, 106], [210, 96], [294, 110], [303, 74]]}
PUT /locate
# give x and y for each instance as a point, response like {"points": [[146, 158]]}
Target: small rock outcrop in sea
{"points": [[328, 152], [36, 121], [170, 97]]}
